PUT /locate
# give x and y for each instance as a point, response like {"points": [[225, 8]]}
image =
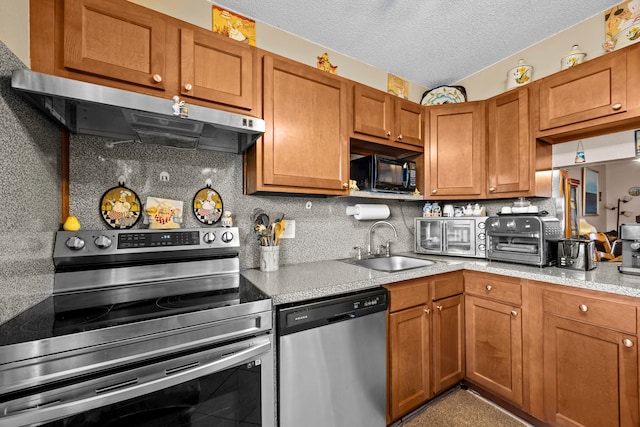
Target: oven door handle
{"points": [[62, 405]]}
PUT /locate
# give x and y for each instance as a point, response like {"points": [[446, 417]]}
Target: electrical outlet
{"points": [[164, 176], [289, 230]]}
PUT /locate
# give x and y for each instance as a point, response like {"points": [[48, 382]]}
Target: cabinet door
{"points": [[590, 375], [457, 150], [121, 41], [372, 112], [592, 90], [494, 347], [509, 145], [305, 143], [409, 360], [216, 70], [448, 342], [409, 123]]}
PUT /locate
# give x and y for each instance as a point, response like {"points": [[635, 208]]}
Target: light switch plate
{"points": [[289, 230]]}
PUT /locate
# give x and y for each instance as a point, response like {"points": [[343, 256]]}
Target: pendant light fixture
{"points": [[580, 157]]}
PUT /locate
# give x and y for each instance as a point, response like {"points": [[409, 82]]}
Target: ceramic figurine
{"points": [[227, 219]]}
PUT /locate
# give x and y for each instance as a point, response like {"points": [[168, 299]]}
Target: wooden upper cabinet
{"points": [[118, 40], [384, 118], [305, 147], [456, 165], [216, 70], [510, 147], [588, 91]]}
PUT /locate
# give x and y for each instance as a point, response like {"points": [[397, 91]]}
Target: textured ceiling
{"points": [[431, 42]]}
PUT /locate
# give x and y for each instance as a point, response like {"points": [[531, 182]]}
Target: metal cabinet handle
{"points": [[388, 133], [434, 191], [439, 307], [399, 137], [157, 78], [492, 189], [514, 313], [627, 342], [489, 287], [345, 184], [617, 106], [583, 308], [427, 310], [188, 86]]}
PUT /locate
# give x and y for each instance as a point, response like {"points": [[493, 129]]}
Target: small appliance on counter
{"points": [[457, 236], [523, 239], [630, 236], [576, 254]]}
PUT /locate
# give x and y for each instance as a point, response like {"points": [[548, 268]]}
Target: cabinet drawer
{"points": [[408, 294], [596, 311], [447, 285], [487, 286]]}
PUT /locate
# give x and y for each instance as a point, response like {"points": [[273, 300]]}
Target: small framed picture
{"points": [[590, 205]]}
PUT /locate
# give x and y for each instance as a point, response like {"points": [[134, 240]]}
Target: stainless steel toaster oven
{"points": [[526, 239]]}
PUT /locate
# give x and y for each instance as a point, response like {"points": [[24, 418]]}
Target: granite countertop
{"points": [[299, 282]]}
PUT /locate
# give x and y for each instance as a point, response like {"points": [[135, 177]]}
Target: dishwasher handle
{"points": [[309, 315]]}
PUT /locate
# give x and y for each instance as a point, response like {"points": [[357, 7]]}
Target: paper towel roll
{"points": [[361, 212]]}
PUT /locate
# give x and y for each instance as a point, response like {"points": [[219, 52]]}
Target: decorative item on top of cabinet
{"points": [[510, 148], [305, 148], [386, 119], [573, 58], [519, 75], [494, 336], [456, 142]]}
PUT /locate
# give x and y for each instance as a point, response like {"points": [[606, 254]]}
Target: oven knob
{"points": [[75, 243], [635, 246], [511, 224], [227, 236], [481, 236], [495, 224], [482, 247], [103, 242], [209, 238]]}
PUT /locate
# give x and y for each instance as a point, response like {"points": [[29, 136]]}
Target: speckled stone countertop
{"points": [[299, 282]]}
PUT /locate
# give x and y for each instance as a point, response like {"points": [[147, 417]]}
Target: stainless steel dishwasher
{"points": [[332, 361]]}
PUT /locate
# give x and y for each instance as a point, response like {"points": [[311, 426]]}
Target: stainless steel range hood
{"points": [[90, 109]]}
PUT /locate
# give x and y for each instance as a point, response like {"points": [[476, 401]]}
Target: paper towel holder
{"points": [[368, 212]]}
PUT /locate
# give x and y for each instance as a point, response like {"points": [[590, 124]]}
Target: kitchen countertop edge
{"points": [[300, 282]]}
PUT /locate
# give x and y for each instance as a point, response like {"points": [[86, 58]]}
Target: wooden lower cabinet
{"points": [[409, 360], [494, 347], [590, 374], [448, 342]]}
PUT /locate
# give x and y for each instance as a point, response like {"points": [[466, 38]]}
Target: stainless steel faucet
{"points": [[374, 225]]}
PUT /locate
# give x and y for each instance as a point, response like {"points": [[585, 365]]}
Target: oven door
{"points": [[429, 238], [460, 237], [230, 385]]}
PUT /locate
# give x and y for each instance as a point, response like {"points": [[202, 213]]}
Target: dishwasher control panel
{"points": [[303, 316]]}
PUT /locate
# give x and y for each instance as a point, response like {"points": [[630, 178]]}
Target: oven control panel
{"points": [[113, 242]]}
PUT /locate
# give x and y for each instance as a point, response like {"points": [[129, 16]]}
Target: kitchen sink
{"points": [[390, 263]]}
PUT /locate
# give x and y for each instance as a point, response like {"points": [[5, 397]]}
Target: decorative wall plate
{"points": [[207, 206], [634, 191], [120, 207], [444, 95]]}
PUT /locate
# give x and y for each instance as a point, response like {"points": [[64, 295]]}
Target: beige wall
{"points": [[14, 27]]}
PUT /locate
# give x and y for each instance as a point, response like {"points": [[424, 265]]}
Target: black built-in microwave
{"points": [[378, 173]]}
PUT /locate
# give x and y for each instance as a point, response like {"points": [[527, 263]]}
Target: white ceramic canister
{"points": [[573, 58], [519, 75]]}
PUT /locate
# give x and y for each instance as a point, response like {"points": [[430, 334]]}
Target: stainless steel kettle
{"points": [[576, 254]]}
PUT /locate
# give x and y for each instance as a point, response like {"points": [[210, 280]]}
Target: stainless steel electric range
{"points": [[145, 328]]}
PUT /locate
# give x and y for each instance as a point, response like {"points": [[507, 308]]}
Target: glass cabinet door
{"points": [[460, 237], [430, 235]]}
